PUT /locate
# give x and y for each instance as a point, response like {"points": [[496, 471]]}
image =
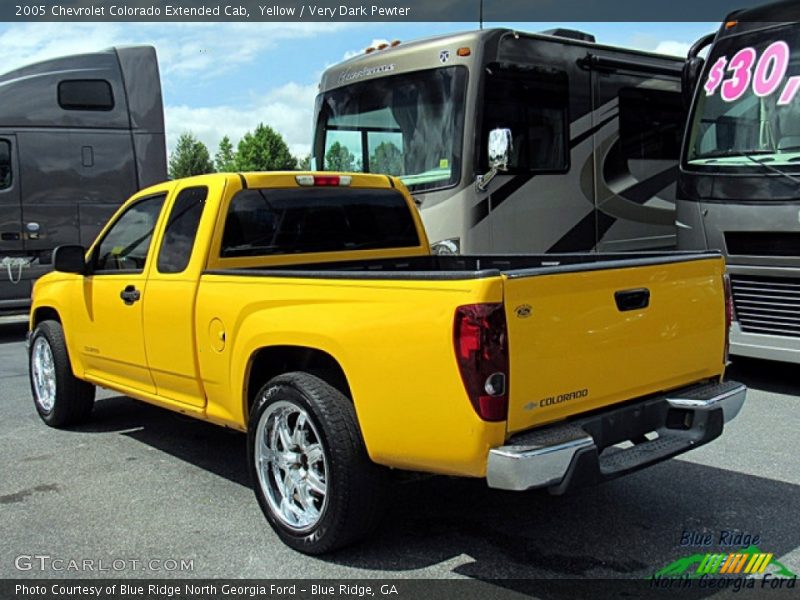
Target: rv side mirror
{"points": [[499, 154], [500, 145], [689, 76], [70, 259], [693, 67]]}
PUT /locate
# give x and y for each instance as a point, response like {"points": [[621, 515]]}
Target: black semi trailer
{"points": [[78, 135]]}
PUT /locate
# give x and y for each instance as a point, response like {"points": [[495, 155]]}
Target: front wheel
{"points": [[61, 399], [311, 473]]}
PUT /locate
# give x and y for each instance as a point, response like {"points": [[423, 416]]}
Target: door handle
{"points": [[130, 295], [632, 299]]}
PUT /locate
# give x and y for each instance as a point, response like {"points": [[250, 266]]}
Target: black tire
{"points": [[73, 399], [355, 486]]}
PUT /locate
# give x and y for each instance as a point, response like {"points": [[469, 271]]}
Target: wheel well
{"points": [[45, 313], [270, 362]]}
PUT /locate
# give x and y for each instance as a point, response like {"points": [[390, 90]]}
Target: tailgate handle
{"points": [[632, 299]]}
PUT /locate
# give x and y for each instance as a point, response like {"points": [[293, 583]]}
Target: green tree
{"points": [[339, 158], [304, 164], [190, 157], [225, 158], [264, 150], [388, 159]]}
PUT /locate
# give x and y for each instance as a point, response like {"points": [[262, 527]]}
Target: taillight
{"points": [[481, 345], [726, 282]]}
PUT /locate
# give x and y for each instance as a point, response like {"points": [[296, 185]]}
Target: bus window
{"points": [[5, 165], [532, 102], [650, 123]]}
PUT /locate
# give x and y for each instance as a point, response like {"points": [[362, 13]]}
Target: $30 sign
{"points": [[764, 74]]}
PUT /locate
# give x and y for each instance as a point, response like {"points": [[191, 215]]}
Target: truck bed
{"points": [[585, 331], [470, 266]]}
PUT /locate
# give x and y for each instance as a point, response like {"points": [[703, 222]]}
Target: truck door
{"points": [[635, 158], [109, 321], [10, 205], [170, 307]]}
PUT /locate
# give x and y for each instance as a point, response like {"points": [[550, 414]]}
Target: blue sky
{"points": [[225, 78]]}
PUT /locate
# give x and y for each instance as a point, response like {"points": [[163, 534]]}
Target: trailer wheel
{"points": [[61, 399], [310, 470]]}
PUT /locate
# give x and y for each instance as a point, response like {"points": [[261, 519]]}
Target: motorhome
{"points": [[78, 135], [739, 183], [593, 132]]}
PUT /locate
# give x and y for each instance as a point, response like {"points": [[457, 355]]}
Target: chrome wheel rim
{"points": [[43, 370], [291, 465]]}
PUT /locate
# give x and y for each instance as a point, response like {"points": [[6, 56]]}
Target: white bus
{"points": [[595, 134]]}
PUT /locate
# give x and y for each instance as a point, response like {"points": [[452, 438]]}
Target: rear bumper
{"points": [[584, 451]]}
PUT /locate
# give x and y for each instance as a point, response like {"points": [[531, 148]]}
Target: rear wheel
{"points": [[311, 473], [61, 399]]}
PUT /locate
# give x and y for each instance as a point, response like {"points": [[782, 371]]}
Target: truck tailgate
{"points": [[588, 336]]}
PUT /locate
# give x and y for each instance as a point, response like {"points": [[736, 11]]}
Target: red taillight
{"points": [[726, 282], [481, 345], [323, 180], [326, 180]]}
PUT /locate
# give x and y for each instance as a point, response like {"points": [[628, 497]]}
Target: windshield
{"points": [[747, 116], [406, 125]]}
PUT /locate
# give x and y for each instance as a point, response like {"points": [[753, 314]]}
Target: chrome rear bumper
{"points": [[586, 450]]}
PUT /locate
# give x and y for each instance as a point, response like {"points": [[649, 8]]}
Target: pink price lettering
{"points": [[765, 80]]}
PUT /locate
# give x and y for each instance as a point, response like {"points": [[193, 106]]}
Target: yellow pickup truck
{"points": [[307, 310]]}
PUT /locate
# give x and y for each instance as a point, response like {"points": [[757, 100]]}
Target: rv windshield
{"points": [[408, 125], [747, 116]]}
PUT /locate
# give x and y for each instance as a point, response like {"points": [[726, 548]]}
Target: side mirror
{"points": [[693, 67], [70, 259], [499, 153], [689, 76], [500, 145]]}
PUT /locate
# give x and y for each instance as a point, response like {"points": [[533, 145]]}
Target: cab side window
{"points": [[125, 245], [176, 247]]}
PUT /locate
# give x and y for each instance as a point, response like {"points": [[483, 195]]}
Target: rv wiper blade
{"points": [[733, 153], [750, 157]]}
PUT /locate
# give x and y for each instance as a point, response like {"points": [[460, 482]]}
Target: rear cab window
{"points": [[279, 221]]}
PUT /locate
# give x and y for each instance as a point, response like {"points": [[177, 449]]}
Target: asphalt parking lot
{"points": [[139, 483]]}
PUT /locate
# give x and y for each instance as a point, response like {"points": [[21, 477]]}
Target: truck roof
{"points": [[278, 179]]}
